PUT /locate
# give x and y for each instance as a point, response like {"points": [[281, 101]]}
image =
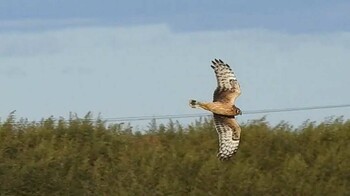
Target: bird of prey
{"points": [[224, 109]]}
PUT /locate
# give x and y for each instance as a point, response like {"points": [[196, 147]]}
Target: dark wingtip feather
{"points": [[221, 61]]}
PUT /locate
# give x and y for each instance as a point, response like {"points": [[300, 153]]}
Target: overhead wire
{"points": [[263, 111], [198, 115]]}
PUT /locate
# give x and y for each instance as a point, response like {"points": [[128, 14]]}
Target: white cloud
{"points": [[28, 44], [12, 72], [150, 70]]}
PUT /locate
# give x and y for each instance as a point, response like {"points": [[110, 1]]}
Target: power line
{"points": [[296, 109], [264, 111], [182, 116]]}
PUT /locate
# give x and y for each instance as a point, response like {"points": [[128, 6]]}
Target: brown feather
{"points": [[229, 136], [224, 109]]}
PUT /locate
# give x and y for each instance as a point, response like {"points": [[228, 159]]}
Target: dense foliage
{"points": [[84, 157]]}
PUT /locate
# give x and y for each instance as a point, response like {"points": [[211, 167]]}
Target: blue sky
{"points": [[136, 58], [183, 15]]}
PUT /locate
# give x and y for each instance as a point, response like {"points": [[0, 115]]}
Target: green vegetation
{"points": [[84, 157]]}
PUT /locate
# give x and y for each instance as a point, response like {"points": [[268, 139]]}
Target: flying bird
{"points": [[224, 109]]}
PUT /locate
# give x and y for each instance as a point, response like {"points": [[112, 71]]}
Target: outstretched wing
{"points": [[228, 88], [229, 133]]}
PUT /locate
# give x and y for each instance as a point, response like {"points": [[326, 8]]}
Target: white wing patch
{"points": [[224, 74]]}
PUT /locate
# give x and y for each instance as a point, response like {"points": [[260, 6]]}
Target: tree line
{"points": [[90, 157]]}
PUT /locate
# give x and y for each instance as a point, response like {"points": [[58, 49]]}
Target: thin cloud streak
{"points": [[40, 23]]}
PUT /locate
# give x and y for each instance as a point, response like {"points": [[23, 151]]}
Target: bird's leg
{"points": [[204, 105], [196, 104], [216, 108]]}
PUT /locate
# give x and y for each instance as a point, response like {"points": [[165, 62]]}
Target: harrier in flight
{"points": [[224, 109]]}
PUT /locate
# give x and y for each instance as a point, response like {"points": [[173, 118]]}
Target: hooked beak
{"points": [[239, 111]]}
